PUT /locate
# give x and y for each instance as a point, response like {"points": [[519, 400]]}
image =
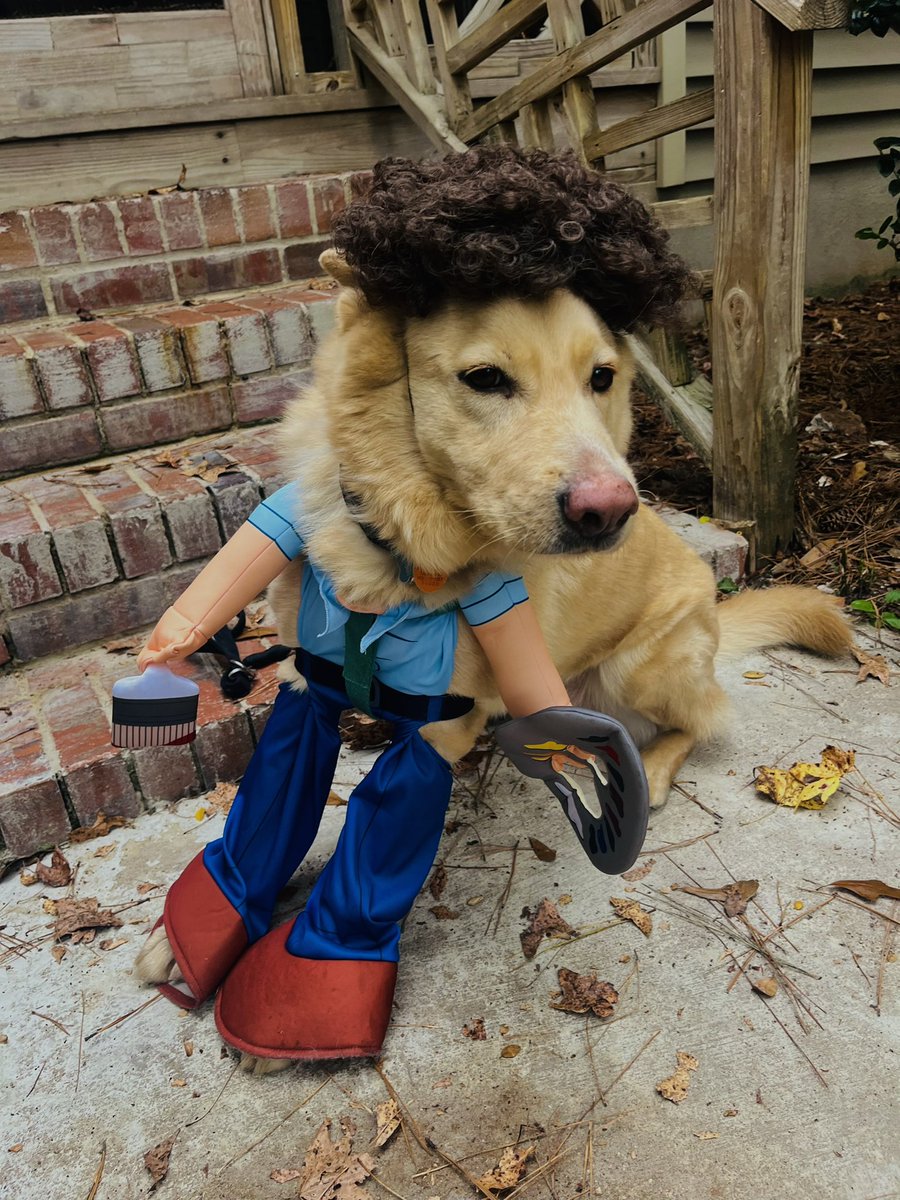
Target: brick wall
{"points": [[81, 391], [149, 249]]}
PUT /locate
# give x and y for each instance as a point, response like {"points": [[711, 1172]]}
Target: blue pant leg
{"points": [[395, 818], [276, 812]]}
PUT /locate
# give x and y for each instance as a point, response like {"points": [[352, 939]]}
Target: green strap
{"points": [[359, 665]]}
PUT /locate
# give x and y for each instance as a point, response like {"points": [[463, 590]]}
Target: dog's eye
{"points": [[485, 379], [602, 379]]}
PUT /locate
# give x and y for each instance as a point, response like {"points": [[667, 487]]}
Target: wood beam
{"points": [[809, 14], [608, 43], [689, 408], [684, 214], [493, 32], [667, 118], [763, 76]]}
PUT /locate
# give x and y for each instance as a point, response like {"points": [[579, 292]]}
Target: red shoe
{"points": [[205, 931], [276, 1005]]}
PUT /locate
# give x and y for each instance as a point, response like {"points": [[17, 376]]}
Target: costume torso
{"points": [[415, 645]]}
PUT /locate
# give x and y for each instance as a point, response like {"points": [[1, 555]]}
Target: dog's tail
{"points": [[779, 616]]}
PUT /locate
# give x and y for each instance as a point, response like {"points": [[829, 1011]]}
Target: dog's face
{"points": [[521, 412]]}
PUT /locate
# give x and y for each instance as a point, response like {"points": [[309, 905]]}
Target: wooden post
{"points": [[763, 84]]}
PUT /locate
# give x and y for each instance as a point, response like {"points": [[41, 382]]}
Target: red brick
{"points": [[60, 368], [328, 199], [259, 453], [55, 236], [166, 773], [103, 785], [21, 300], [255, 208], [111, 359], [78, 532], [202, 342], [137, 423], [289, 327], [302, 259], [267, 398], [27, 571], [33, 445], [142, 231], [136, 524], [180, 220], [235, 497], [76, 620], [24, 758], [115, 287], [19, 395], [187, 510], [224, 747], [99, 234], [246, 338], [292, 205], [360, 184], [16, 249], [33, 816], [226, 272], [157, 349], [218, 217]]}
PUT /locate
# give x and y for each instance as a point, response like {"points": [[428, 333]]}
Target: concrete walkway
{"points": [[771, 1111]]}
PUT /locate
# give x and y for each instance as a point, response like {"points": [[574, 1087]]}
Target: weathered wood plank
{"points": [[444, 33], [424, 111], [481, 10], [290, 48], [679, 114], [601, 47], [684, 214], [250, 45], [764, 86], [494, 32], [578, 104], [809, 14], [688, 408], [72, 32], [137, 28], [415, 47], [26, 36], [537, 129]]}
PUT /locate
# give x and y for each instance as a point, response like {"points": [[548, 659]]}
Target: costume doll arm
{"points": [[526, 676], [244, 567]]}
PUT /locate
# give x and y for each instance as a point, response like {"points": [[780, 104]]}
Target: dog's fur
{"points": [[460, 482]]}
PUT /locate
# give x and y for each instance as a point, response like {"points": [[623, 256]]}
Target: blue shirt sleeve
{"points": [[278, 518], [493, 596]]}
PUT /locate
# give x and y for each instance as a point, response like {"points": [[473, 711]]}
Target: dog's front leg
{"points": [[662, 760]]}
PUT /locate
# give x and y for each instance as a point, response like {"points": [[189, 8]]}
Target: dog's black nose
{"points": [[597, 507]]}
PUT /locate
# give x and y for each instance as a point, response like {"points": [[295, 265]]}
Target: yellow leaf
{"points": [[200, 814], [857, 471], [510, 1051], [754, 674], [806, 785]]}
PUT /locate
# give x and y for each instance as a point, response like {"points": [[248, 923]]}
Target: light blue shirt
{"points": [[415, 647]]}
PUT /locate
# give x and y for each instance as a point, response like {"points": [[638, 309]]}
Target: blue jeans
{"points": [[395, 818]]}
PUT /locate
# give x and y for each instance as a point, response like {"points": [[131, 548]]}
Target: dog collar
{"points": [[406, 572]]}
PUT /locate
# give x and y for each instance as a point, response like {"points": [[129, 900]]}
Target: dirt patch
{"points": [[848, 478]]}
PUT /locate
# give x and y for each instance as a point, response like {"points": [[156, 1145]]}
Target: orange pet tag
{"points": [[428, 583]]}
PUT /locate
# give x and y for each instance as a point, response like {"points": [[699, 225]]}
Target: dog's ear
{"points": [[337, 267]]}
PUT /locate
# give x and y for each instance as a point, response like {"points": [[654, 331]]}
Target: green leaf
{"points": [[727, 586], [866, 235], [863, 606], [893, 596], [892, 621], [884, 224], [885, 143]]}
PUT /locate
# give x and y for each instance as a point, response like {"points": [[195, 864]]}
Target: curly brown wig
{"points": [[499, 221]]}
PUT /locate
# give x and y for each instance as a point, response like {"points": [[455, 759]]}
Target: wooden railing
{"points": [[743, 425]]}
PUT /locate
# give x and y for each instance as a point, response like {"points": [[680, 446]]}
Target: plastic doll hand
{"points": [[174, 637]]}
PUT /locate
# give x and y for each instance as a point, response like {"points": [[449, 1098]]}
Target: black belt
{"points": [[388, 699]]}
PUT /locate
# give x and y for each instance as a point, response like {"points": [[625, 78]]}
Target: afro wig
{"points": [[500, 221]]}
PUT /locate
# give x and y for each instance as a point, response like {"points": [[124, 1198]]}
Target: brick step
{"points": [[59, 770], [92, 552], [74, 392]]}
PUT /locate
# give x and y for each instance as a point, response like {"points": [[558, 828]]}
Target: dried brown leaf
{"points": [[511, 1051], [675, 1087], [438, 881], [335, 800], [544, 921], [59, 952], [867, 889], [143, 888], [584, 993], [156, 1160], [285, 1175], [104, 851], [630, 910], [734, 896], [167, 458], [76, 915], [639, 872], [871, 665], [4, 1038], [768, 986], [387, 1121], [706, 1136], [542, 852], [113, 943], [359, 732], [58, 874], [475, 1030], [209, 466], [331, 1171], [443, 913], [27, 878], [101, 826], [221, 798], [509, 1171]]}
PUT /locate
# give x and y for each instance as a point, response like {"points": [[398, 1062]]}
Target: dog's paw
{"points": [[659, 797], [156, 963], [254, 1065]]}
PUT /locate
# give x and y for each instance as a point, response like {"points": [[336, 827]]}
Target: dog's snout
{"points": [[597, 507]]}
